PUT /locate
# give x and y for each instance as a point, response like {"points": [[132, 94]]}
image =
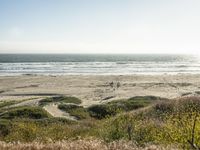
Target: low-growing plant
{"points": [[183, 125], [74, 110], [61, 99], [129, 127], [28, 130], [117, 106], [25, 112], [7, 103], [4, 127], [103, 111], [180, 124]]}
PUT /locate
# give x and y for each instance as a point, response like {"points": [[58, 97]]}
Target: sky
{"points": [[100, 26]]}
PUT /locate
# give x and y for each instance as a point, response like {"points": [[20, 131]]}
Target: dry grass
{"points": [[89, 144]]}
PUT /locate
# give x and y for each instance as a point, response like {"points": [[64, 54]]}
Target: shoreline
{"points": [[98, 74]]}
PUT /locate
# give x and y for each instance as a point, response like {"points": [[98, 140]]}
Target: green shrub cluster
{"points": [[61, 99], [25, 112], [180, 124], [8, 103], [114, 107], [107, 109], [74, 110], [50, 129], [165, 122]]}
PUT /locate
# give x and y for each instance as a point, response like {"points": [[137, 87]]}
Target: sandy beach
{"points": [[94, 89]]}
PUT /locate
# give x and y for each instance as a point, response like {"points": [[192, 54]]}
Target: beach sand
{"points": [[94, 89]]}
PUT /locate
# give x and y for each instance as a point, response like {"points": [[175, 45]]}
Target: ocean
{"points": [[97, 64]]}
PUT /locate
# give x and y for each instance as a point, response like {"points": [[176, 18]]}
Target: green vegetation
{"points": [[4, 105], [165, 122], [61, 99], [4, 127], [74, 110], [108, 109], [7, 103], [25, 112], [103, 111], [178, 123], [114, 107], [27, 130]]}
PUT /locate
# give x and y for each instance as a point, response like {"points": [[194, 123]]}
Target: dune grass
{"points": [[172, 122], [105, 110], [114, 107], [25, 112], [74, 110], [61, 99], [82, 144], [178, 123], [7, 103]]}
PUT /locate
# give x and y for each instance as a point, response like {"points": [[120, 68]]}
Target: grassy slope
{"points": [[165, 122]]}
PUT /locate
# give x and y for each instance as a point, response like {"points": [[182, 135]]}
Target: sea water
{"points": [[97, 64]]}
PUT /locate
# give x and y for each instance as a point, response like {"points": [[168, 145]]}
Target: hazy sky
{"points": [[99, 26]]}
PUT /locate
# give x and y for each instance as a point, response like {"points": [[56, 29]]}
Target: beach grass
{"points": [[78, 112], [116, 106], [172, 122], [60, 99], [25, 112]]}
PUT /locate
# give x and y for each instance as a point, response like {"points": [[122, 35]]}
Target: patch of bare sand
{"points": [[56, 112], [94, 89]]}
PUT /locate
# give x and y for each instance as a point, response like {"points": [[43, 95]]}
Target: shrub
{"points": [[129, 127], [28, 130], [103, 111], [114, 107], [4, 127], [147, 98], [183, 125], [180, 124], [74, 110], [67, 107], [8, 103], [63, 99], [188, 104], [161, 109], [25, 112]]}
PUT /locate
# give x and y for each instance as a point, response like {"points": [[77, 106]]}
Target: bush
{"points": [[147, 98], [188, 104], [52, 120], [183, 125], [4, 127], [103, 111], [74, 110], [180, 124], [51, 129], [161, 109], [183, 105], [8, 103], [114, 107], [62, 99], [128, 127], [25, 112]]}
